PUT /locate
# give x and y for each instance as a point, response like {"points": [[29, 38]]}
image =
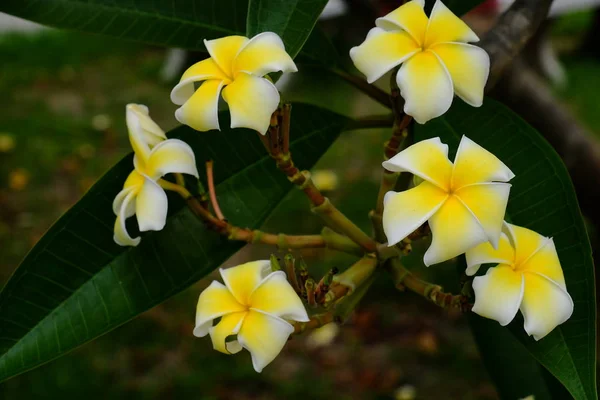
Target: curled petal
{"points": [[498, 294], [427, 159], [201, 71], [243, 279], [545, 305], [229, 325], [469, 67], [381, 51], [486, 254], [444, 26], [201, 111], [142, 126], [545, 262], [224, 50], [409, 17], [133, 182], [263, 54], [151, 207], [454, 230], [214, 302], [251, 102], [172, 156], [121, 236], [404, 212], [474, 164], [276, 296], [263, 336], [426, 86], [487, 202]]}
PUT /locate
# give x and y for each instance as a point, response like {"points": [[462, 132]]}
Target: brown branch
{"points": [[212, 191]]}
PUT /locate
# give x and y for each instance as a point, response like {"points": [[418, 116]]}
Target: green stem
{"points": [[346, 282]]}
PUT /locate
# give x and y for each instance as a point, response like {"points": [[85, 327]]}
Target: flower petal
{"points": [[474, 164], [151, 207], [545, 305], [201, 71], [527, 243], [469, 67], [263, 54], [224, 50], [498, 294], [486, 254], [251, 101], [381, 51], [454, 230], [426, 86], [201, 111], [121, 236], [487, 202], [133, 181], [263, 336], [276, 296], [427, 159], [545, 262], [445, 26], [243, 279], [172, 156], [229, 325], [141, 125], [409, 17], [214, 302], [404, 212]]}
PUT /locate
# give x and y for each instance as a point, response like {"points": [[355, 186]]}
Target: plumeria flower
{"points": [[155, 156], [255, 304], [464, 202], [236, 66], [436, 60], [528, 276]]}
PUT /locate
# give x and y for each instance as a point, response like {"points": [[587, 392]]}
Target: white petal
{"points": [[444, 26], [498, 294], [214, 302], [409, 17], [201, 71], [229, 325], [426, 86], [224, 50], [201, 111], [404, 212], [121, 236], [545, 305], [264, 336], [275, 296], [172, 156], [151, 207], [486, 254], [263, 54], [545, 262], [243, 279]]}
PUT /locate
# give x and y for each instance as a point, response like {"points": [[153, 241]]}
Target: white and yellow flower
{"points": [[236, 66], [255, 304], [155, 156], [464, 202], [528, 276], [436, 59]]}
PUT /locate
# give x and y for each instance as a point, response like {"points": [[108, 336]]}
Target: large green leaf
{"points": [[542, 198], [76, 284], [182, 23]]}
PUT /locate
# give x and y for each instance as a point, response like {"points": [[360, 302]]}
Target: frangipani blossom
{"points": [[155, 156], [436, 60], [254, 304], [528, 276], [464, 202], [236, 66]]}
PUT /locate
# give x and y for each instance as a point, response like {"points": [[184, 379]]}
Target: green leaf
{"points": [[293, 20], [542, 198], [182, 23], [76, 284]]}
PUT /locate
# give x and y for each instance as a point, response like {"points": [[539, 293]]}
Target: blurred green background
{"points": [[62, 124]]}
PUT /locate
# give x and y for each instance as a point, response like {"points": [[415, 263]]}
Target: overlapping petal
{"points": [[474, 164], [224, 50], [381, 51], [171, 156], [427, 159], [121, 236], [133, 182], [498, 294], [545, 262], [545, 305], [214, 302], [203, 70], [275, 296], [263, 54], [251, 102], [526, 242], [229, 325], [426, 86], [141, 127], [444, 26], [244, 279], [264, 336], [201, 111], [454, 230], [404, 212], [409, 17], [151, 206], [486, 254], [469, 67]]}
